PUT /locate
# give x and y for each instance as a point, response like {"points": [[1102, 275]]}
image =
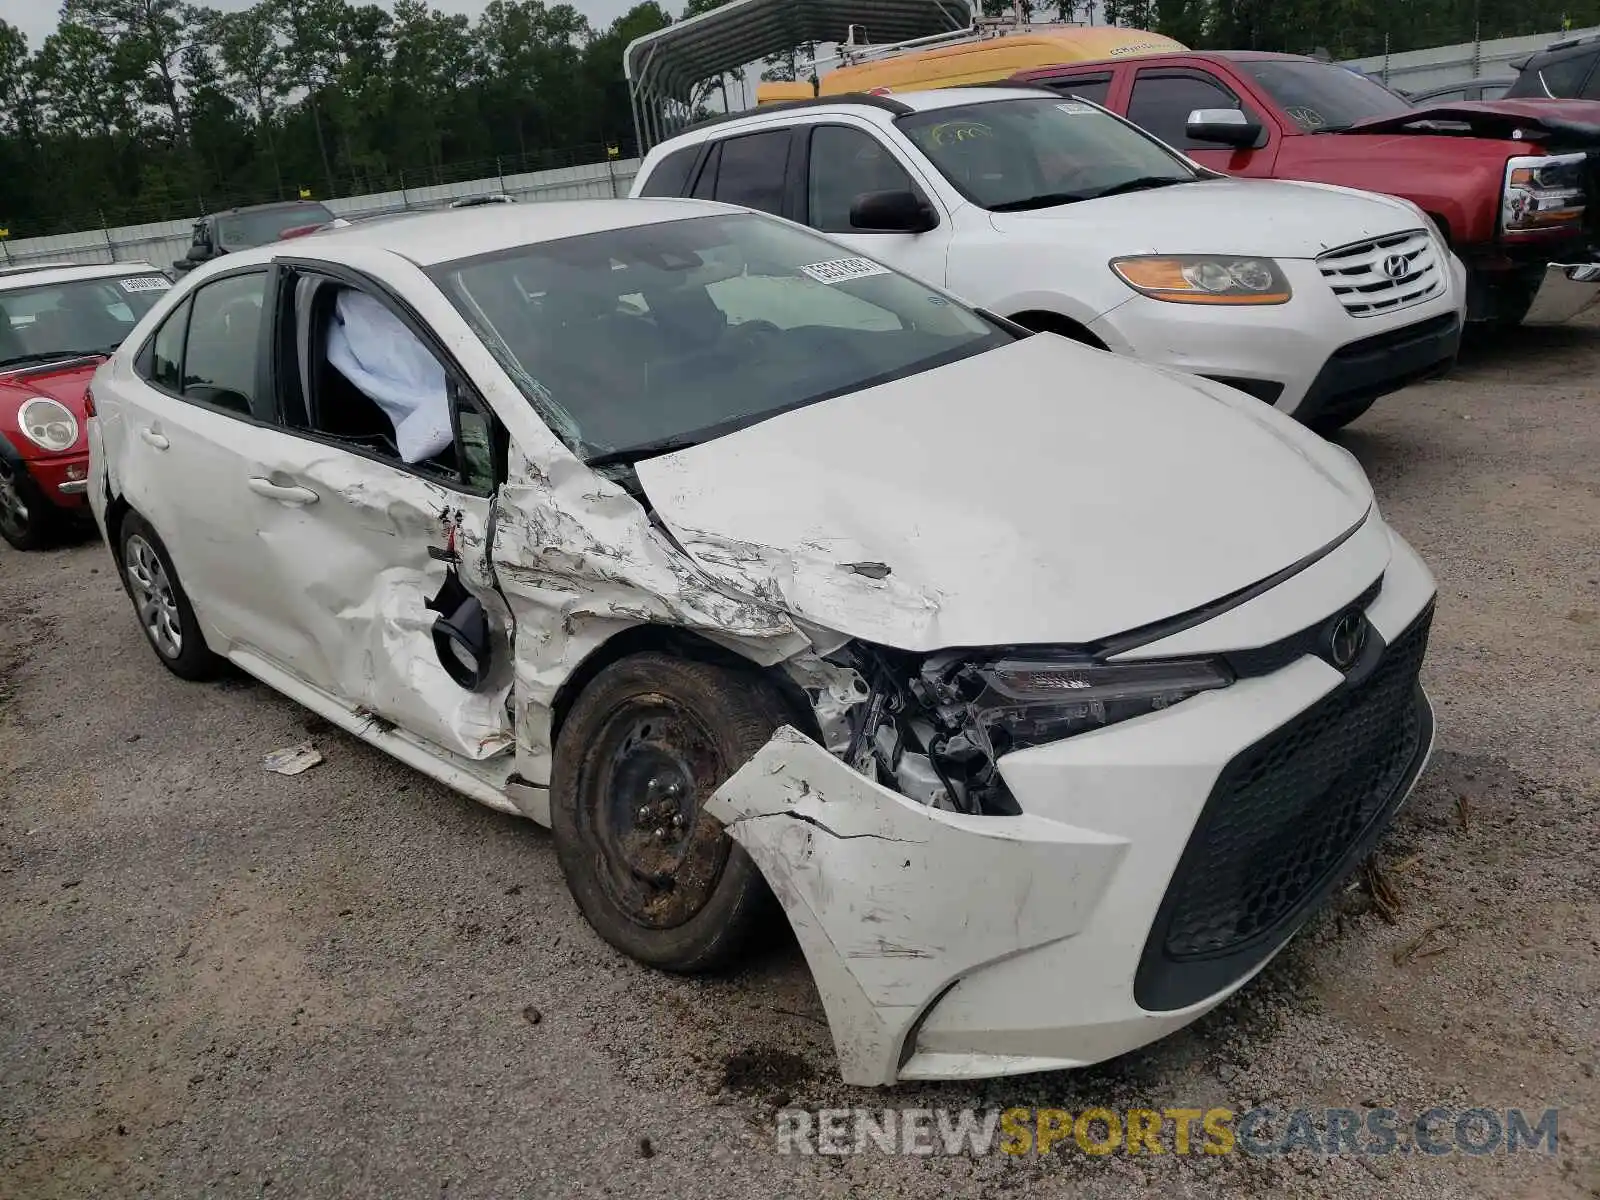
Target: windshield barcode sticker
{"points": [[145, 283], [1077, 108], [843, 270]]}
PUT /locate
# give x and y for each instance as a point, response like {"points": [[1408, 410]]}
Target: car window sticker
{"points": [[843, 270]]}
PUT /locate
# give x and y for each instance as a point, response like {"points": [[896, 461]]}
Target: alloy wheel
{"points": [[153, 597]]}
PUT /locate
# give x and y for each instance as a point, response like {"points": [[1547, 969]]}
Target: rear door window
{"points": [[1564, 79], [1086, 87], [671, 176], [753, 171]]}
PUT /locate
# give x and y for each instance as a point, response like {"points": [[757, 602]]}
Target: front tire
{"points": [[28, 521], [165, 614], [644, 747]]}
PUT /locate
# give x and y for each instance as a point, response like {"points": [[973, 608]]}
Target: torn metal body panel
{"points": [[579, 561]]}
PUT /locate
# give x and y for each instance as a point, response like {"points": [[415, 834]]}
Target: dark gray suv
{"points": [[1562, 71]]}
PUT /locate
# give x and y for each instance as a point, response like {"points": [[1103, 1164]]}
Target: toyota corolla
{"points": [[1045, 692]]}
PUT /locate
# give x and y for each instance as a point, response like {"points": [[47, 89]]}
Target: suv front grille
{"points": [[1285, 819], [1385, 274]]}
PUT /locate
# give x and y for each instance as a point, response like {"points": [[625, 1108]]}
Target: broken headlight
{"points": [[937, 729], [1016, 703]]}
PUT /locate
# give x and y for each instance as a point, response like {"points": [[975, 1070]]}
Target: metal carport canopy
{"points": [[665, 66]]}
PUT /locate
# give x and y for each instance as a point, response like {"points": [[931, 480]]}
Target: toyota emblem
{"points": [[1396, 266], [1347, 639]]}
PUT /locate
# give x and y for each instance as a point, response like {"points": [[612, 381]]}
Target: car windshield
{"points": [[656, 337], [1012, 155], [1323, 98], [241, 231], [86, 316]]}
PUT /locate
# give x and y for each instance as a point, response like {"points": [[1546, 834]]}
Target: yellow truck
{"points": [[978, 59]]}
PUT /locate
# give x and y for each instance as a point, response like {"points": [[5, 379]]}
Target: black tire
{"points": [[644, 746], [163, 608], [28, 521]]}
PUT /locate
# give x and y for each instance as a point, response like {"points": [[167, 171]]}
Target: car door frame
{"points": [[193, 418], [359, 647]]}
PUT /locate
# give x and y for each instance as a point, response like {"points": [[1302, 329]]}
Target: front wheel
{"points": [[165, 614], [27, 520], [644, 747]]}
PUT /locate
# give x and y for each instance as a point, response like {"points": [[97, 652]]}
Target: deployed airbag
{"points": [[375, 351]]}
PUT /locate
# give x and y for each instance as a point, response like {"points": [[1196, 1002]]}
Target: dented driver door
{"points": [[367, 552]]}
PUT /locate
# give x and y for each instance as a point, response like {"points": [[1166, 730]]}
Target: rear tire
{"points": [[645, 745], [164, 611], [28, 521]]}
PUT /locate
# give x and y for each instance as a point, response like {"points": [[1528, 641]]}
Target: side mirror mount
{"points": [[892, 212], [1225, 126]]}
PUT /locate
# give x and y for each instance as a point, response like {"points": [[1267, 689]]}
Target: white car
{"points": [[1048, 692], [1063, 217]]}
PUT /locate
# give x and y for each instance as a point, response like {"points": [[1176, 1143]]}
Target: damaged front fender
{"points": [[892, 901]]}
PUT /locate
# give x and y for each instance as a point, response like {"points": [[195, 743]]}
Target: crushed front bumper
{"points": [[1568, 290], [1157, 866]]}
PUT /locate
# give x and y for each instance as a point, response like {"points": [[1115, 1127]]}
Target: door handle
{"points": [[155, 439], [294, 497]]}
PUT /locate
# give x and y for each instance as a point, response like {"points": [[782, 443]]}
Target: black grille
{"points": [[1284, 821]]}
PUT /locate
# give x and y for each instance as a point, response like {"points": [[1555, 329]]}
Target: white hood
{"points": [[1042, 493], [1220, 216]]}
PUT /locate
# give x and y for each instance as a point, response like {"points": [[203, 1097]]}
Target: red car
{"points": [[56, 326], [1511, 184]]}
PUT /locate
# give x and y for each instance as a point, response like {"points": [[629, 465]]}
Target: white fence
{"points": [[1418, 70], [165, 241]]}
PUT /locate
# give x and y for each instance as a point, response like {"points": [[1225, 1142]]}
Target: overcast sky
{"points": [[37, 18]]}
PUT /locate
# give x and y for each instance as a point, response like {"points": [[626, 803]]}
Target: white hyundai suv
{"points": [[1065, 218]]}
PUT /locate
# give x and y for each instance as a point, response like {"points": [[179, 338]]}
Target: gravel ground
{"points": [[353, 983]]}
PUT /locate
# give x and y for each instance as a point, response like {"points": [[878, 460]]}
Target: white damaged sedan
{"points": [[1048, 693]]}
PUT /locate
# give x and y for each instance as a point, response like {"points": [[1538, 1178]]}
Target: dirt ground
{"points": [[216, 981]]}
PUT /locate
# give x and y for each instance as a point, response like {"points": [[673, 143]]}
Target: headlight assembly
{"points": [[1204, 279], [1543, 194], [1027, 702], [48, 424]]}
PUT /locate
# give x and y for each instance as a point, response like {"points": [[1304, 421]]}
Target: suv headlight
{"points": [[1543, 193], [1204, 278], [48, 424]]}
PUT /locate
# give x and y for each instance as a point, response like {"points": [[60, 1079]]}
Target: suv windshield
{"points": [[62, 320], [1323, 98], [648, 339], [1012, 155], [242, 231]]}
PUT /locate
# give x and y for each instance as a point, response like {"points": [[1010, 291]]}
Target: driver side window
{"points": [[356, 373], [1161, 104], [844, 164]]}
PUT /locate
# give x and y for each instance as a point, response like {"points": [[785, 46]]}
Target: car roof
{"points": [[445, 235], [896, 104], [71, 274], [1203, 55]]}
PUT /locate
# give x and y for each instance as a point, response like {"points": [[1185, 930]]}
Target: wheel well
{"points": [[683, 643], [1049, 322], [1444, 228]]}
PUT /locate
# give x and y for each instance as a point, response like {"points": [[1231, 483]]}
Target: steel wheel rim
{"points": [[659, 856], [154, 598]]}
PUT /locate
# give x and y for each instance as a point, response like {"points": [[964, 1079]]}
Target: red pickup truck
{"points": [[1514, 185]]}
